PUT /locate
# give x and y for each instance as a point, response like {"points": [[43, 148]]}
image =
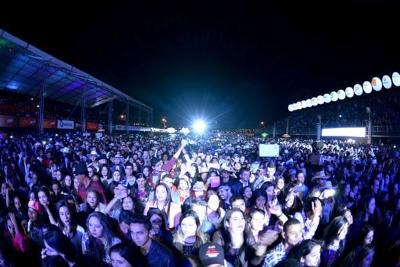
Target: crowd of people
{"points": [[351, 113], [169, 200]]}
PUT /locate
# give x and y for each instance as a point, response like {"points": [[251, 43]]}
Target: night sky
{"points": [[234, 64]]}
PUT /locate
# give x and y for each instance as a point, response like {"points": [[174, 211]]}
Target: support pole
{"points": [[274, 130], [110, 113], [287, 126], [319, 128], [127, 117], [83, 111], [369, 128], [41, 108]]}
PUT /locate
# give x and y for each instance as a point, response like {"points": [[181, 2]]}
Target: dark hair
{"points": [[228, 215], [51, 261], [289, 222], [266, 185], [363, 234], [103, 219], [72, 212], [141, 219], [168, 200], [130, 253], [289, 263], [308, 204], [125, 216], [254, 210], [303, 249], [332, 230], [256, 194], [361, 254], [59, 242]]}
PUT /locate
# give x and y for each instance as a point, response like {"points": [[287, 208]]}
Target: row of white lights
{"points": [[367, 87]]}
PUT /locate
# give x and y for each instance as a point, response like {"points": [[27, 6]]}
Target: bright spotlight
{"points": [[199, 126]]}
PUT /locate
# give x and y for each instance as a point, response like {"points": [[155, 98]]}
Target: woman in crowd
{"points": [[334, 238], [67, 222], [214, 213], [232, 237], [159, 229], [183, 189], [162, 201], [57, 249], [92, 203], [142, 189], [126, 255], [188, 237], [308, 253], [99, 238]]}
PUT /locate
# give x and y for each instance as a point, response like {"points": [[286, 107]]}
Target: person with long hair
{"points": [[67, 222], [362, 257], [334, 238], [162, 201], [126, 255], [188, 237], [56, 244], [99, 238], [232, 237], [159, 230], [308, 253], [214, 213], [142, 189], [92, 203], [45, 200], [183, 190]]}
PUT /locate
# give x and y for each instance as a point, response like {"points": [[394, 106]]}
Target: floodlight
{"points": [[387, 82], [396, 79], [358, 90], [376, 84], [341, 94], [327, 98], [199, 126], [320, 99], [334, 96], [367, 87], [349, 92]]}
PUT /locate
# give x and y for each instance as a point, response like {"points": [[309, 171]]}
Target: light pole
{"points": [[164, 121], [319, 128], [369, 127]]}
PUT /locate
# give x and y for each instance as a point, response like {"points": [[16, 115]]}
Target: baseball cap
{"points": [[211, 253], [33, 204]]}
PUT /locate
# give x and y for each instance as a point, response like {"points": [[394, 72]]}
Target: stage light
{"points": [[358, 90], [376, 84], [314, 101], [308, 103], [327, 98], [349, 92], [320, 99], [199, 126], [341, 94], [367, 87], [387, 83], [334, 96], [396, 79]]}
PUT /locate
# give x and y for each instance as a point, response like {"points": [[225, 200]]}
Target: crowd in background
{"points": [[170, 200], [349, 113]]}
